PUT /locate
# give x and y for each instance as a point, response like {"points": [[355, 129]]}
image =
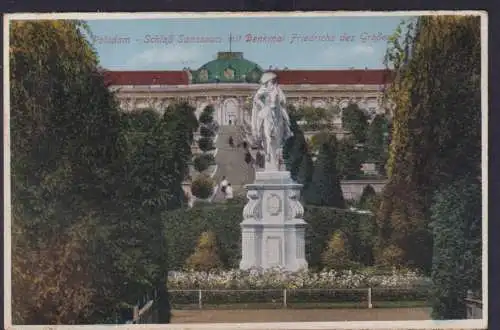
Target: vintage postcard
{"points": [[257, 171]]}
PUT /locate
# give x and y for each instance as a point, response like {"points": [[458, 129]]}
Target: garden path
{"points": [[231, 161]]}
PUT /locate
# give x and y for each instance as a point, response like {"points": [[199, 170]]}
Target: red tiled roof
{"points": [[288, 77], [146, 77], [334, 77]]}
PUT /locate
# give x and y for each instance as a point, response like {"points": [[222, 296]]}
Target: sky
{"points": [[279, 42]]}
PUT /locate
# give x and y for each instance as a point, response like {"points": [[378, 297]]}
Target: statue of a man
{"points": [[270, 120]]}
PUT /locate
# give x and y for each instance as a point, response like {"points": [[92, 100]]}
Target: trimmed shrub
{"points": [[205, 256], [337, 254], [205, 144], [202, 187], [207, 132], [207, 116], [367, 198], [391, 256], [355, 120], [202, 162]]}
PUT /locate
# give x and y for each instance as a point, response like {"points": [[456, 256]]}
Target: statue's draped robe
{"points": [[262, 103]]}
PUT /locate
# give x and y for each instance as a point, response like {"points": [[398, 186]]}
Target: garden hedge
{"points": [[203, 161], [183, 227], [206, 144], [207, 132]]}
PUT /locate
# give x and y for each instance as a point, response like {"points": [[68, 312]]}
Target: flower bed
{"points": [[278, 279], [328, 289]]}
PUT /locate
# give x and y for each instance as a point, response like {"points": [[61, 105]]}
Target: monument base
{"points": [[273, 229]]}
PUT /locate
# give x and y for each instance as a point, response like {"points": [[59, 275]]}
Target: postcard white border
{"points": [[463, 324]]}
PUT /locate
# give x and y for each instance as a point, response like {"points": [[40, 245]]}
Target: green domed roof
{"points": [[229, 67]]}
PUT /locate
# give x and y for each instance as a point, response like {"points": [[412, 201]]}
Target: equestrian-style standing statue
{"points": [[270, 120], [273, 228]]}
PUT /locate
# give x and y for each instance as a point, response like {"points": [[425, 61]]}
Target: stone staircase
{"points": [[231, 161]]}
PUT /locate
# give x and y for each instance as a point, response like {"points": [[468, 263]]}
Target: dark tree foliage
{"points": [[203, 162], [349, 159], [296, 152], [456, 267], [305, 171], [377, 141], [207, 132], [66, 147], [367, 197], [355, 121], [324, 189], [207, 115], [140, 120], [206, 144], [436, 126], [87, 181]]}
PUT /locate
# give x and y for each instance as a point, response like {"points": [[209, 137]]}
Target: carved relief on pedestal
{"points": [[295, 208], [253, 206], [274, 205]]}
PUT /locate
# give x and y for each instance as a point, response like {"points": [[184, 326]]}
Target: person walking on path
{"points": [[229, 192], [231, 142], [248, 157], [223, 185]]}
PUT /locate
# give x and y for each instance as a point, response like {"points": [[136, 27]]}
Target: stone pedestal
{"points": [[273, 230]]}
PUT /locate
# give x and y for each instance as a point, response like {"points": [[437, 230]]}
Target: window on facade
{"points": [[203, 75], [229, 73]]}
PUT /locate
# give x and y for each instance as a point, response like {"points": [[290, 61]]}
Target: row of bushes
{"points": [[207, 129], [183, 228], [203, 162]]}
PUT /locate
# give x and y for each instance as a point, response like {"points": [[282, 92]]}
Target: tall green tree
{"points": [[368, 197], [151, 183], [349, 159], [318, 139], [296, 153], [324, 189], [66, 148], [377, 147], [355, 121], [456, 268], [436, 128], [306, 170]]}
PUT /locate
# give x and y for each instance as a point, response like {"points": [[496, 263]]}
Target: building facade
{"points": [[229, 82]]}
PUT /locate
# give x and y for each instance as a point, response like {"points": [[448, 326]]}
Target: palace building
{"points": [[230, 81]]}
